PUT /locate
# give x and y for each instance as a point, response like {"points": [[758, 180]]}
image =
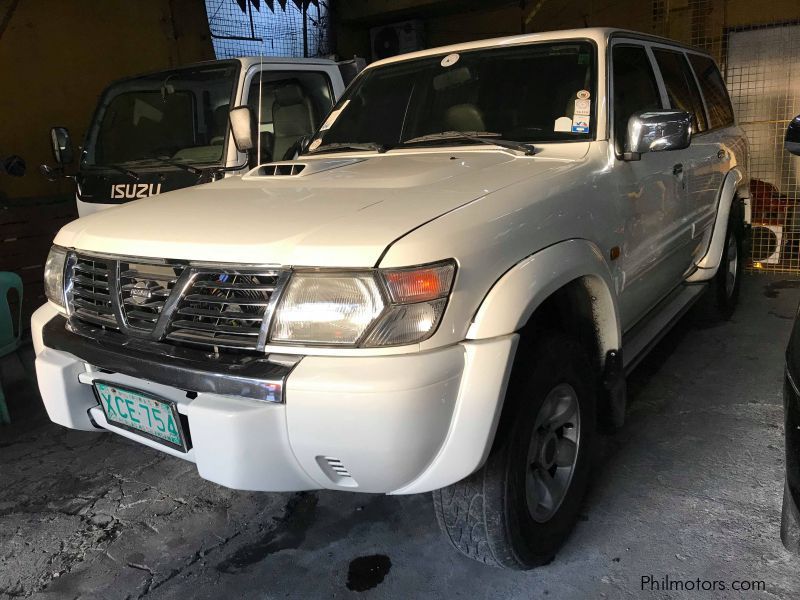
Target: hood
{"points": [[324, 211]]}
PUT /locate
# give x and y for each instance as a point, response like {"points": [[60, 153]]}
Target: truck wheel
{"points": [[518, 509], [723, 294]]}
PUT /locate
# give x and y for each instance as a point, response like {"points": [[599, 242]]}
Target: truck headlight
{"points": [[54, 275], [387, 307]]}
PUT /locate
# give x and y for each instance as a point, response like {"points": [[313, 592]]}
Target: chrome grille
{"points": [[144, 289], [89, 291], [224, 309], [176, 302]]}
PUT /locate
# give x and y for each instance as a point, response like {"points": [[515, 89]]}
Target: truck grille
{"points": [[89, 292], [144, 289], [224, 309], [179, 303]]}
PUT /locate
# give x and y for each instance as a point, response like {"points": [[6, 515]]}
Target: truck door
{"points": [[702, 166], [651, 193], [287, 105]]}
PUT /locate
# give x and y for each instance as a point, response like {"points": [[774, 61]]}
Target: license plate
{"points": [[141, 413]]}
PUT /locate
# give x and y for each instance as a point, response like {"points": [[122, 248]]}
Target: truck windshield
{"points": [[542, 92], [180, 116]]}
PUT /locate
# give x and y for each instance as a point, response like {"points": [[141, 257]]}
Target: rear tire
{"points": [[517, 510], [722, 296]]}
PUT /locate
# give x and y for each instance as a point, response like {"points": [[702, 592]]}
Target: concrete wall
{"points": [[56, 56]]}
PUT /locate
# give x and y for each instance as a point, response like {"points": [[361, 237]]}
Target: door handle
{"points": [[722, 155], [677, 170]]}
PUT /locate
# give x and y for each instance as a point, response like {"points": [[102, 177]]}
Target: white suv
{"points": [[443, 291]]}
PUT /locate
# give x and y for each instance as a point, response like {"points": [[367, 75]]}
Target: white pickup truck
{"points": [[169, 129], [442, 292]]}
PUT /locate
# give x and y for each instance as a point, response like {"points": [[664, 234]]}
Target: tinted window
{"points": [[635, 87], [681, 87], [720, 111], [177, 115], [529, 93]]}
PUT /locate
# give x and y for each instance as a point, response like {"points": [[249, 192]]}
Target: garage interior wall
{"points": [[56, 56], [756, 43]]}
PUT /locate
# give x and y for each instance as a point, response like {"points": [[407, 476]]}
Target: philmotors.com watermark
{"points": [[651, 583]]}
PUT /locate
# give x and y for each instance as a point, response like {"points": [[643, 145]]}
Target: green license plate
{"points": [[141, 413]]}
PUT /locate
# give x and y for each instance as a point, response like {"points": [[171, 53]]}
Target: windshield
{"points": [[173, 116], [541, 92]]}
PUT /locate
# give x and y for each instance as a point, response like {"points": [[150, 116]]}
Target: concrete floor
{"points": [[690, 488]]}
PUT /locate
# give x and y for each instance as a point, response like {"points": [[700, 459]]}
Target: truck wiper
{"points": [[379, 148], [132, 174], [168, 161], [481, 137]]}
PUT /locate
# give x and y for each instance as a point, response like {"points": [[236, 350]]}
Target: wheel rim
{"points": [[732, 257], [553, 452]]}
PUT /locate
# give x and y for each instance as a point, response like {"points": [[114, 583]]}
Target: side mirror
{"points": [[299, 147], [792, 140], [49, 172], [62, 145], [243, 127], [657, 131]]}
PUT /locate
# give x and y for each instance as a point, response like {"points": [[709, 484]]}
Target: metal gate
{"points": [[763, 76], [288, 28]]}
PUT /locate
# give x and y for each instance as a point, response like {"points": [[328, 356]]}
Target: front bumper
{"points": [[394, 424]]}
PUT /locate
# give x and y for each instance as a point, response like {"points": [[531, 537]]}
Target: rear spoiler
{"points": [[350, 68]]}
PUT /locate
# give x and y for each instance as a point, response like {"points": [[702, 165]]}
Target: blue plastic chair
{"points": [[9, 341]]}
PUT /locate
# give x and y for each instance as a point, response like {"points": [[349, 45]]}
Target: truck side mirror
{"points": [[62, 145], [657, 131], [243, 127], [792, 140]]}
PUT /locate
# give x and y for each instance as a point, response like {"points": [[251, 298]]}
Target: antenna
{"points": [[260, 103]]}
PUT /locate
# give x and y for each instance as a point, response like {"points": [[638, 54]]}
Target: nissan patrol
{"points": [[442, 292]]}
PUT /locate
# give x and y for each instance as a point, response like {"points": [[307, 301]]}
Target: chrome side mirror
{"points": [[792, 140], [243, 128], [657, 131], [62, 145]]}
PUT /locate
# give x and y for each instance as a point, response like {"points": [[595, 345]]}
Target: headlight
{"points": [[373, 308], [321, 308], [54, 275]]}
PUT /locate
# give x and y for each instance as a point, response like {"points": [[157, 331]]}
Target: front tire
{"points": [[517, 510]]}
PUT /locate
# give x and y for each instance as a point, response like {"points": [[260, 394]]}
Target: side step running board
{"points": [[646, 334]]}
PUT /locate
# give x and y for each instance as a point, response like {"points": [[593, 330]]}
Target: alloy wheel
{"points": [[553, 452]]}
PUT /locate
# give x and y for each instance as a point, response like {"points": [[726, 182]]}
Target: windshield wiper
{"points": [[379, 148], [168, 161], [481, 137], [132, 174]]}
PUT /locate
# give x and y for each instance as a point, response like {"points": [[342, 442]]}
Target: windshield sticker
{"points": [[315, 144], [580, 124], [583, 95], [583, 107], [450, 60], [563, 124], [333, 116]]}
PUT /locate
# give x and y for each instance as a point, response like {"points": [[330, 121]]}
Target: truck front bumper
{"points": [[397, 424]]}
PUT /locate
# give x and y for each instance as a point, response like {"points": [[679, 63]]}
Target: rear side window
{"points": [[635, 87], [720, 111], [681, 87]]}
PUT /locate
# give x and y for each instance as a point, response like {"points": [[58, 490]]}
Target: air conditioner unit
{"points": [[398, 38], [767, 243]]}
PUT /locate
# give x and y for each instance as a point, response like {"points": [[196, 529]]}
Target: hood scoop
{"points": [[293, 168]]}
